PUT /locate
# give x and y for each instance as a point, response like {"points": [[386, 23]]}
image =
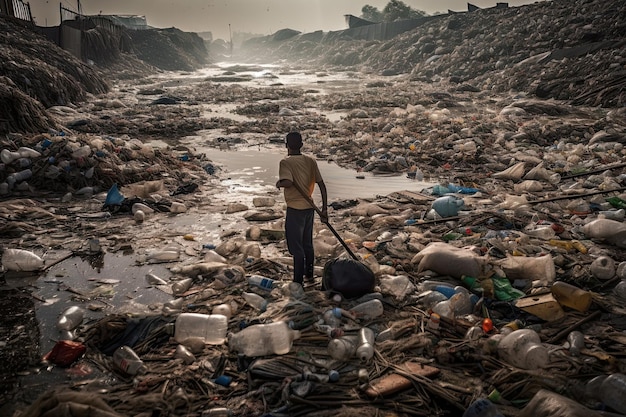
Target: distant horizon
{"points": [[259, 17]]}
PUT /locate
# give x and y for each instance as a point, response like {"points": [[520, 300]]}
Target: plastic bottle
{"points": [[571, 296], [139, 216], [153, 279], [255, 300], [368, 310], [603, 268], [184, 354], [263, 339], [482, 408], [576, 342], [217, 412], [261, 282], [179, 287], [365, 349], [448, 205], [7, 156], [428, 299], [522, 348], [21, 260], [211, 328], [613, 392], [177, 207], [156, 256], [71, 318], [343, 348], [128, 361], [143, 207]]}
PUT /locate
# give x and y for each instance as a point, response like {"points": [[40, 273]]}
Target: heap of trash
{"points": [[456, 302]]}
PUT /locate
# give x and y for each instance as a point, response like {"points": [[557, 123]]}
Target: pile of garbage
{"points": [[77, 165], [512, 307]]}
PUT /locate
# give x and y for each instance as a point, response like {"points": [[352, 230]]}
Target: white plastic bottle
{"points": [[211, 328], [365, 349], [263, 339], [522, 348], [128, 361], [261, 282], [368, 310], [21, 260], [255, 300], [71, 318]]}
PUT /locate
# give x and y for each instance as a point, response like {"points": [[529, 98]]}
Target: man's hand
{"points": [[324, 216]]}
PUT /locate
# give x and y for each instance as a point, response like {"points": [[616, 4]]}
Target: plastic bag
{"points": [[114, 197], [349, 277], [65, 352]]}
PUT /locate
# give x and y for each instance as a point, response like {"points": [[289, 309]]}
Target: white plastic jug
{"points": [[209, 327], [448, 205]]}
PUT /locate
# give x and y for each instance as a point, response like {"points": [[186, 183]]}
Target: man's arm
{"points": [[283, 183]]}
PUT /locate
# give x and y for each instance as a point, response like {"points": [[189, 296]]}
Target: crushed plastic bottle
{"points": [[71, 318]]}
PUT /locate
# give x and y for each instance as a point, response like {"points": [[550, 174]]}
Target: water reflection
{"points": [[245, 168]]}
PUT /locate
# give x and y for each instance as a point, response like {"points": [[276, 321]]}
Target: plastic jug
{"points": [[263, 339], [21, 260], [613, 392], [571, 296], [211, 328], [128, 361], [523, 349], [448, 205], [368, 310]]}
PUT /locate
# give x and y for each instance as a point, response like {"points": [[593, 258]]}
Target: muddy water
{"points": [[255, 171]]}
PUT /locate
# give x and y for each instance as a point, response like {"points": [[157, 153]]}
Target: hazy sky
{"points": [[262, 17]]}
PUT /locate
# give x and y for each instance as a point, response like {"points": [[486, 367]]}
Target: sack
{"points": [[348, 277], [65, 352]]}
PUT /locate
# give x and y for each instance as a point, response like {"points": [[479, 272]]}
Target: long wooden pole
{"points": [[319, 212]]}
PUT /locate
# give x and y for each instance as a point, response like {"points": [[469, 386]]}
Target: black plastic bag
{"points": [[348, 277]]}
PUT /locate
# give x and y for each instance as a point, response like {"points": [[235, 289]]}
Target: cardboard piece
{"points": [[393, 383]]}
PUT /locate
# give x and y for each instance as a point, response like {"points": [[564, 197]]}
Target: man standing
{"points": [[298, 175]]}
